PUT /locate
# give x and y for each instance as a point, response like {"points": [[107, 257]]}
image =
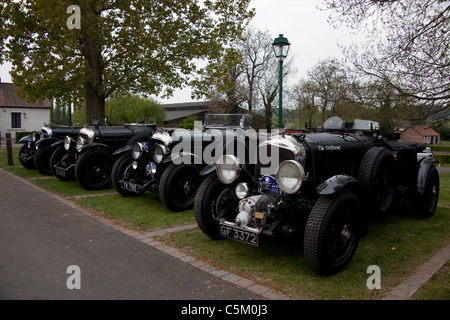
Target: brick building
{"points": [[421, 134]]}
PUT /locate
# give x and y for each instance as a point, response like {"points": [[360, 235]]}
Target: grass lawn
{"points": [[144, 213], [399, 244]]}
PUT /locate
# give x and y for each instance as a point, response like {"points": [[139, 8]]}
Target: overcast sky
{"points": [[301, 22]]}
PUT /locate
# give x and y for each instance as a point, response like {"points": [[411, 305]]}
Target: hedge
{"points": [[435, 147], [21, 134], [443, 158]]}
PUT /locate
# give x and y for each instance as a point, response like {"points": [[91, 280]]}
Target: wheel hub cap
{"points": [[187, 187], [345, 233]]}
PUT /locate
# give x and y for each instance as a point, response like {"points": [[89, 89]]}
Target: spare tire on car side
{"points": [[377, 174]]}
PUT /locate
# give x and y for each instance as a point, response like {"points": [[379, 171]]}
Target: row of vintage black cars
{"points": [[318, 189]]}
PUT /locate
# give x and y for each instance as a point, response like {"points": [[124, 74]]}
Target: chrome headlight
{"points": [[228, 168], [289, 176], [67, 142], [33, 136], [79, 144], [158, 154], [242, 190], [137, 150]]}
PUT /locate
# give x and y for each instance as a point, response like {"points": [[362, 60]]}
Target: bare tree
{"points": [[247, 75], [257, 54], [326, 86], [408, 48]]}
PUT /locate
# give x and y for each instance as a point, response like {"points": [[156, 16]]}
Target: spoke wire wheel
{"points": [[211, 195], [178, 186], [24, 154], [123, 168], [57, 157], [42, 159], [332, 232], [93, 169]]}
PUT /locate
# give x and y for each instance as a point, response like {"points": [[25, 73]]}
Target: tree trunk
{"points": [[94, 93], [95, 104]]}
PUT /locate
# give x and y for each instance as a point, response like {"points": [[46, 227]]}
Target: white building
{"points": [[16, 114]]}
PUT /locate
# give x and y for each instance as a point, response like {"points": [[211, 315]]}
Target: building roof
{"points": [[10, 99], [424, 131], [180, 110]]}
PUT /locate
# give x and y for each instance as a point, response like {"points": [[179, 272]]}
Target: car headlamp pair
{"points": [[289, 175]]}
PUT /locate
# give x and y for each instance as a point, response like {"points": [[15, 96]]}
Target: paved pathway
{"points": [[42, 234]]}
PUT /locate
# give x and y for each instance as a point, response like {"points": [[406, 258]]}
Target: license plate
{"points": [[236, 233], [60, 172], [130, 186]]}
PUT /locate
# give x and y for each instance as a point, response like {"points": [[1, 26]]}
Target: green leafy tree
{"points": [[134, 108], [120, 46], [188, 122]]}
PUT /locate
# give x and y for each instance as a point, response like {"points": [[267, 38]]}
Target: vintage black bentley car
{"points": [[38, 147], [170, 162], [89, 159], [322, 187]]}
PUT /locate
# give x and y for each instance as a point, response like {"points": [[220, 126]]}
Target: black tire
{"points": [[425, 205], [178, 186], [206, 206], [42, 159], [55, 159], [377, 175], [93, 169], [119, 171], [24, 153], [331, 234]]}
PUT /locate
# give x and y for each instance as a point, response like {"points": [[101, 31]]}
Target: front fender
{"points": [[46, 141], [58, 143], [95, 145], [335, 183], [424, 167], [208, 169], [25, 139], [180, 158], [123, 150]]}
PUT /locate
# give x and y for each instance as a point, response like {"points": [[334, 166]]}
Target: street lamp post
{"points": [[281, 48]]}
